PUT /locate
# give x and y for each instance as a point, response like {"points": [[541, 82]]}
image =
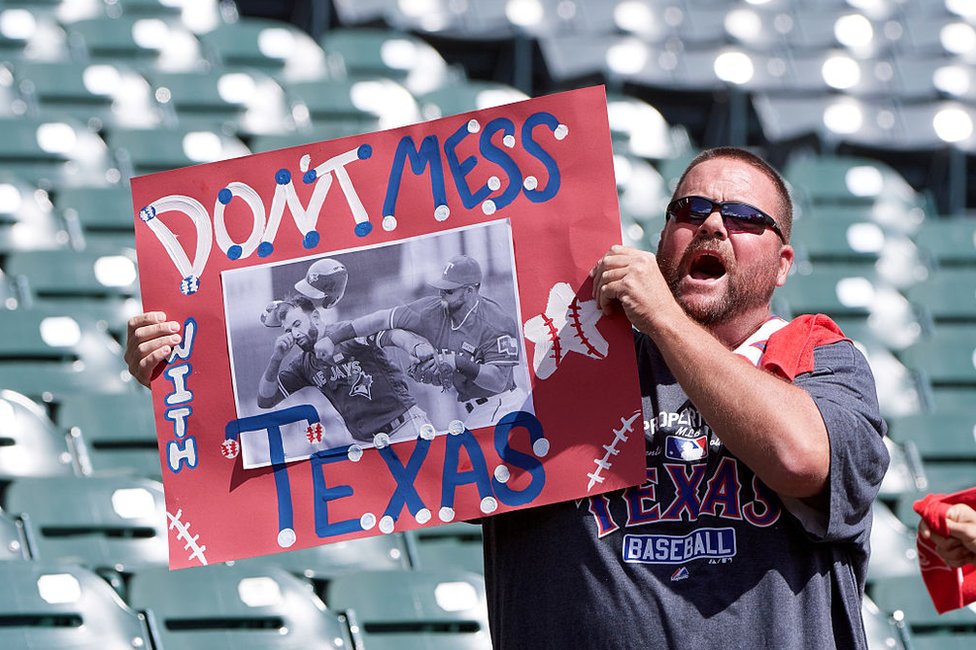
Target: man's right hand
{"points": [[149, 341], [282, 344]]}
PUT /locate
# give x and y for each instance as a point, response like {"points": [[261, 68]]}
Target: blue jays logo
{"points": [[362, 386], [686, 449]]}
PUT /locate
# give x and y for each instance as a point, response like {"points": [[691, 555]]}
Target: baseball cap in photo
{"points": [[325, 280], [458, 272]]}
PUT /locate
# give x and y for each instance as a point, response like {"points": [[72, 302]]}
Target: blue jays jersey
{"points": [[486, 336], [702, 554], [364, 386]]}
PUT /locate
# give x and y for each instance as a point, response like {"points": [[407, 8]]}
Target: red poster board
{"points": [[269, 443]]}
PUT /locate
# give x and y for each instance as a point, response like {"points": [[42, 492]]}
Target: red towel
{"points": [[789, 352], [950, 588]]}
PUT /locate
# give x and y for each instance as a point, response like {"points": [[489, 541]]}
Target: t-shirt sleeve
{"points": [[411, 316], [842, 386]]}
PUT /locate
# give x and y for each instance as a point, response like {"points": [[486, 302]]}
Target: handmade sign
{"points": [[389, 331]]}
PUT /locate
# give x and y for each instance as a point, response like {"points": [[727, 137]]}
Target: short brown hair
{"points": [[785, 220]]}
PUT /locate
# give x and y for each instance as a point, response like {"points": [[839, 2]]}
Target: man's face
{"points": [[716, 275], [454, 299], [302, 328]]}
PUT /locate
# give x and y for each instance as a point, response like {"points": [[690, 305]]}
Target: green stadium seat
{"points": [[949, 241], [146, 151], [54, 152], [951, 640], [847, 180], [881, 630], [44, 605], [331, 103], [274, 47], [113, 524], [639, 129], [909, 595], [14, 536], [222, 607], [947, 355], [467, 96], [26, 219], [156, 42], [838, 239], [947, 296], [939, 435], [101, 217], [893, 551], [940, 478], [456, 545], [46, 354], [320, 132], [409, 610], [370, 53], [30, 443], [112, 433], [103, 285]]}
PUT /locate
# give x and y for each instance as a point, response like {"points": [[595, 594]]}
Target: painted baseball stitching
{"points": [[183, 535], [611, 450]]}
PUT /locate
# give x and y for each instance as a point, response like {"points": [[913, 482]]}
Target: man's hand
{"points": [[149, 341], [437, 370], [423, 351], [959, 549], [631, 279], [283, 344]]}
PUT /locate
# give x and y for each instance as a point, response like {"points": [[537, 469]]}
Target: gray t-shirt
{"points": [[703, 554]]}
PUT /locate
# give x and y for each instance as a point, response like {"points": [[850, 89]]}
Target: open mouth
{"points": [[706, 266]]}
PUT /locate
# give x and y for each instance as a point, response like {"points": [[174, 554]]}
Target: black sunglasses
{"points": [[737, 216]]}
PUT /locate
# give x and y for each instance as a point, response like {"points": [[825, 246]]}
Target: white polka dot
{"points": [[442, 212], [427, 431], [304, 163], [381, 440], [540, 447], [387, 524], [367, 521], [509, 141], [423, 516], [502, 474], [530, 182], [488, 207], [455, 427], [473, 126], [561, 132], [489, 505], [446, 514], [494, 184], [354, 453], [286, 537], [389, 223]]}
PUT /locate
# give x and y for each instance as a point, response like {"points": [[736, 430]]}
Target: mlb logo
{"points": [[686, 449]]}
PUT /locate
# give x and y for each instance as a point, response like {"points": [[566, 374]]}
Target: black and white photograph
{"points": [[414, 338]]}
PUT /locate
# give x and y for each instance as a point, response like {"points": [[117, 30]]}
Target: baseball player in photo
{"points": [[475, 341]]}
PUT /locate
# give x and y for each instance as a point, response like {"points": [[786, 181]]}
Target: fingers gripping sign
{"points": [[630, 278], [150, 339]]}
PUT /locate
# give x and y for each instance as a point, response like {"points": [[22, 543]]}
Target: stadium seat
{"points": [[949, 241], [233, 102], [846, 180], [26, 219], [222, 607], [939, 435], [14, 535], [46, 354], [945, 641], [146, 151], [55, 152], [103, 285], [947, 296], [881, 630], [45, 605], [639, 129], [332, 103], [909, 595], [457, 545], [100, 217], [467, 96], [277, 48], [142, 42], [320, 132], [30, 443], [940, 478], [947, 355], [109, 524], [893, 551], [112, 433], [371, 53], [410, 610]]}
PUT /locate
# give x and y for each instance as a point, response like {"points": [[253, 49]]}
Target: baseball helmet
{"points": [[274, 313], [459, 271], [325, 280]]}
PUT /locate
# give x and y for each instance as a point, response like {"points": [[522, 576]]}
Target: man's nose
{"points": [[714, 225]]}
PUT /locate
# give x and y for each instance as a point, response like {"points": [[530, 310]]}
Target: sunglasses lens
{"points": [[743, 216]]}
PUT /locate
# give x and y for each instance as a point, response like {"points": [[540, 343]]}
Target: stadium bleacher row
{"points": [[94, 92]]}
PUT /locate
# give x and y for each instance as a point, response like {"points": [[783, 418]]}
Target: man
{"points": [[764, 453], [475, 341], [364, 386]]}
